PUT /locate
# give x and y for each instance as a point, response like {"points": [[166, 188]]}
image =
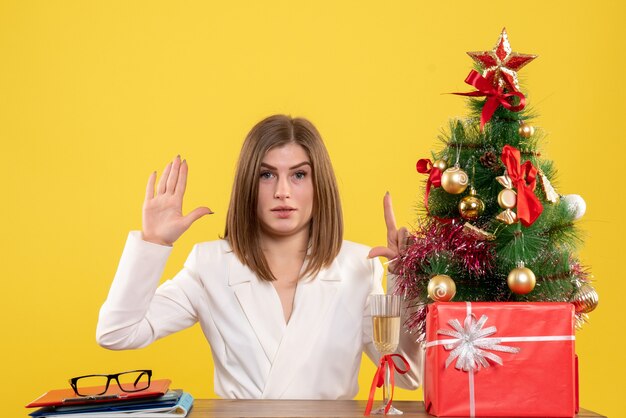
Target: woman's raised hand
{"points": [[397, 239], [163, 221]]}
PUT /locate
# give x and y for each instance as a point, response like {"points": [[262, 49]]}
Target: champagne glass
{"points": [[386, 335]]}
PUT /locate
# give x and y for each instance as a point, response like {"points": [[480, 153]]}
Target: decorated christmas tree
{"points": [[493, 227]]}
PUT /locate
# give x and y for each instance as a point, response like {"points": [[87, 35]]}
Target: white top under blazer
{"points": [[316, 355]]}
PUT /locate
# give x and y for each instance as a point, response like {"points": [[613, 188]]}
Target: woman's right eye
{"points": [[266, 175]]}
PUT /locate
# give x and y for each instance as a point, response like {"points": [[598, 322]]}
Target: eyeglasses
{"points": [[98, 384]]}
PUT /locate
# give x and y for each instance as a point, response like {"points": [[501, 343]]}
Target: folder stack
{"points": [[156, 401]]}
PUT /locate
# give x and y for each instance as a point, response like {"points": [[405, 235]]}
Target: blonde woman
{"points": [[282, 299]]}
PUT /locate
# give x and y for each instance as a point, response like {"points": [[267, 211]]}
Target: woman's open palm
{"points": [[163, 221]]}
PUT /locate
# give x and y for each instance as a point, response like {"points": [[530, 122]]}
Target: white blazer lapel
{"points": [[259, 302], [311, 306]]}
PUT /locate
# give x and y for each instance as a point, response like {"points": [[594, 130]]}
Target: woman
{"points": [[282, 299]]}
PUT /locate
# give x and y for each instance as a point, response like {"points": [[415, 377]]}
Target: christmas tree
{"points": [[493, 227]]}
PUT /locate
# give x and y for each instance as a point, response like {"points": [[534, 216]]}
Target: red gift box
{"points": [[500, 359]]}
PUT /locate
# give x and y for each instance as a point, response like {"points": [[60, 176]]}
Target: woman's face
{"points": [[285, 203]]}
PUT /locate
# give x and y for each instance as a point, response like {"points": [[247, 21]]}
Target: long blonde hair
{"points": [[242, 224]]}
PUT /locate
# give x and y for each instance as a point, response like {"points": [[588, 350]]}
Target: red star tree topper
{"points": [[501, 63]]}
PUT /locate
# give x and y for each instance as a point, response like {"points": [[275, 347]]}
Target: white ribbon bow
{"points": [[470, 343]]}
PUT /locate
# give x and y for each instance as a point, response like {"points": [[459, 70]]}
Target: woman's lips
{"points": [[283, 212]]}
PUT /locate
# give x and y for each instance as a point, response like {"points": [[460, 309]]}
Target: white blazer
{"points": [[317, 355]]}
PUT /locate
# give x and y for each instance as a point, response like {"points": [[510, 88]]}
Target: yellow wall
{"points": [[94, 95]]}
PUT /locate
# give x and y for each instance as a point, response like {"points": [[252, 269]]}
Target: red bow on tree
{"points": [[524, 178], [425, 166], [495, 97]]}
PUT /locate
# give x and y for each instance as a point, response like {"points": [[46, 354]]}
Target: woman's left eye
{"points": [[300, 175]]}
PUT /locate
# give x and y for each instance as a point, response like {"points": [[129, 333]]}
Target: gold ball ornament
{"points": [[471, 206], [586, 299], [454, 180], [525, 130], [441, 288], [521, 280], [441, 164]]}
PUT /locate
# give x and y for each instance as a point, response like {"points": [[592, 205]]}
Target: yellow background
{"points": [[94, 95]]}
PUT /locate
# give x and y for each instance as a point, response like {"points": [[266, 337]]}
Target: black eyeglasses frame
{"points": [[73, 381]]}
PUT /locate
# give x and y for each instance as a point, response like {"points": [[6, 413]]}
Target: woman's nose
{"points": [[282, 189]]}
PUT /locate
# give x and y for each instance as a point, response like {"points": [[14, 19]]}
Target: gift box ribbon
{"points": [[471, 346]]}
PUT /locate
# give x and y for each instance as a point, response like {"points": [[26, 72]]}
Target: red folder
{"points": [[67, 396]]}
